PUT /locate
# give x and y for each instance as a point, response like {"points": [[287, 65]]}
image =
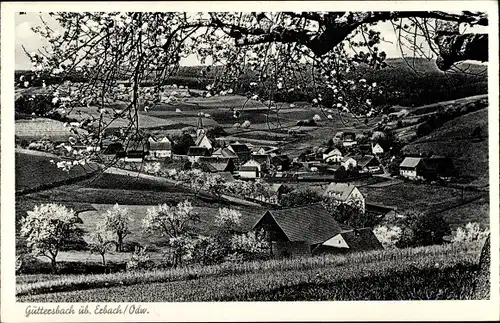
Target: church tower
{"points": [[200, 130]]}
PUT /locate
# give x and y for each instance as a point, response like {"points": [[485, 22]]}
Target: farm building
{"points": [[134, 151], [348, 162], [345, 193], [216, 164], [280, 162], [377, 149], [252, 169], [348, 241], [195, 153], [368, 163], [332, 156], [203, 141], [440, 166], [412, 168], [349, 139], [297, 231], [160, 149], [381, 211], [242, 151]]}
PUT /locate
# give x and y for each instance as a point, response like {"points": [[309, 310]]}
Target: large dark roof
{"points": [[311, 223], [160, 145], [239, 148], [366, 160], [361, 240], [198, 151]]}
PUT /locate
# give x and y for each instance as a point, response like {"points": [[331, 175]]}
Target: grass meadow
{"points": [[435, 272]]}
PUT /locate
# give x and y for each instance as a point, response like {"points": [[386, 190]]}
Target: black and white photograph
{"points": [[253, 156]]}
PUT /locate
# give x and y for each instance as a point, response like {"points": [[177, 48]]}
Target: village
{"points": [[318, 176]]}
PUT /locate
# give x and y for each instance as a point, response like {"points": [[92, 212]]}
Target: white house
{"points": [[412, 168], [203, 141], [377, 149], [160, 149], [251, 169], [348, 162], [345, 193], [333, 156]]}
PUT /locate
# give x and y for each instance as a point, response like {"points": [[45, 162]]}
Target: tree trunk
{"points": [[103, 260], [53, 264], [119, 245]]}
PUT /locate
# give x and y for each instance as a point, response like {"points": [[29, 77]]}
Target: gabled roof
{"points": [[200, 139], [239, 148], [160, 145], [341, 190], [311, 223], [261, 159], [361, 239], [225, 152], [346, 158], [217, 166], [365, 160], [410, 162], [333, 152], [198, 151], [248, 169], [227, 176]]}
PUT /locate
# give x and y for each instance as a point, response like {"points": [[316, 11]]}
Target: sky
{"points": [[31, 41]]}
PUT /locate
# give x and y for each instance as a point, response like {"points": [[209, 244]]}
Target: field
{"points": [[36, 129], [429, 198], [34, 170], [453, 139], [437, 272]]}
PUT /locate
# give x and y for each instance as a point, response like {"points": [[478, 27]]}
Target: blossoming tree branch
{"points": [[283, 51]]}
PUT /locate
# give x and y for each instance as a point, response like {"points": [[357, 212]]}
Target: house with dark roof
{"points": [[297, 231], [350, 241], [280, 162], [349, 139], [348, 162], [242, 151], [195, 153], [440, 166], [368, 163], [224, 152], [264, 160], [344, 193], [216, 164], [160, 149]]}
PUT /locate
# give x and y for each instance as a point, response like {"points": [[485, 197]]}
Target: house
{"points": [[350, 241], [160, 149], [368, 163], [264, 160], [203, 141], [349, 139], [412, 168], [297, 231], [224, 152], [195, 153], [251, 169], [332, 156], [280, 162], [348, 162], [217, 165], [265, 150], [337, 170], [440, 166], [345, 193], [134, 151], [377, 149], [365, 149], [241, 150], [381, 211]]}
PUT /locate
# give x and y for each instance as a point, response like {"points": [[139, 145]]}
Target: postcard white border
{"points": [[249, 311]]}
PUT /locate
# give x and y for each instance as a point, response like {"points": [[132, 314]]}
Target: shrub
{"points": [[422, 229], [388, 235], [471, 232], [140, 260]]}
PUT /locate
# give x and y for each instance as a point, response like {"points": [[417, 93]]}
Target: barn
{"points": [[297, 231]]}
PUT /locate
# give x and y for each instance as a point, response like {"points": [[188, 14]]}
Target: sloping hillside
{"points": [[35, 171], [453, 139]]}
